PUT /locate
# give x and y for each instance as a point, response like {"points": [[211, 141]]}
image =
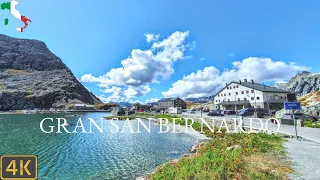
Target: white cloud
{"points": [[202, 59], [208, 81], [143, 67], [150, 37]]}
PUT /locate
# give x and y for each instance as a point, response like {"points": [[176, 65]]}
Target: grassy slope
{"points": [[310, 99], [260, 156]]}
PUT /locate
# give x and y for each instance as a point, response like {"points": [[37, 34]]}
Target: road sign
{"points": [[292, 106]]}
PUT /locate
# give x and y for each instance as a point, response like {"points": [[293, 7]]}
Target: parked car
{"points": [[251, 111], [215, 113], [229, 112], [288, 118], [313, 118], [206, 110]]}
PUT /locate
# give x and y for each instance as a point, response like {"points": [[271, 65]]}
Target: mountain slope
{"points": [[31, 76], [200, 100], [303, 83]]}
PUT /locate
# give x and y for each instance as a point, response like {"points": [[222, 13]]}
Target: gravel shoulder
{"points": [[305, 156]]}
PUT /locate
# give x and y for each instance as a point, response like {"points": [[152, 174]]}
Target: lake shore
{"points": [[231, 156], [48, 111]]}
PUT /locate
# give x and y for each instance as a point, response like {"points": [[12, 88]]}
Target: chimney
{"points": [[252, 81], [245, 80], [240, 81]]}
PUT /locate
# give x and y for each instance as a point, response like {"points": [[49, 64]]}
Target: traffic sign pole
{"points": [[295, 124], [293, 106]]}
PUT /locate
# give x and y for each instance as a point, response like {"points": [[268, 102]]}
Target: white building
{"points": [[239, 95], [83, 107]]}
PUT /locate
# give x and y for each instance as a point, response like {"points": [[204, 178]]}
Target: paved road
{"points": [[305, 132], [305, 157]]}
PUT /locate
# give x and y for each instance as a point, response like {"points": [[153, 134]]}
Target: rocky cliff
{"points": [[303, 83], [31, 76]]}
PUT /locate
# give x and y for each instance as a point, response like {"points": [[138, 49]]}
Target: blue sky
{"points": [[93, 38]]}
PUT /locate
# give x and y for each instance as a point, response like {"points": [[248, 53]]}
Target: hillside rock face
{"points": [[303, 83], [31, 76]]}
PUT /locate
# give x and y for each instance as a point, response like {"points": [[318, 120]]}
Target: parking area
{"points": [[305, 132]]}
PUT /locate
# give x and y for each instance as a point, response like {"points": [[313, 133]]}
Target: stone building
{"points": [[171, 102]]}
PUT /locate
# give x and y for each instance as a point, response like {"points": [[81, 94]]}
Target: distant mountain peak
{"points": [[302, 83]]}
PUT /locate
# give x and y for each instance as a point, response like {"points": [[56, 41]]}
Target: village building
{"points": [[83, 107], [239, 95], [171, 102], [142, 107]]}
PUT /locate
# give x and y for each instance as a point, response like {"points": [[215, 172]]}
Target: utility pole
{"points": [[255, 100], [264, 87], [235, 103]]}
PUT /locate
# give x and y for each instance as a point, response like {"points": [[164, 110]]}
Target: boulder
{"points": [[233, 147]]}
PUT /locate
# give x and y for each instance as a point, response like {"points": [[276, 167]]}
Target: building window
{"points": [[224, 94], [236, 93], [252, 98], [245, 99], [258, 98], [242, 92], [234, 87], [281, 97], [229, 94], [237, 86], [228, 99], [238, 99], [227, 87], [218, 95], [247, 91], [285, 97], [252, 91]]}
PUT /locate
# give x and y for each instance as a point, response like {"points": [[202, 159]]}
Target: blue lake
{"points": [[89, 156]]}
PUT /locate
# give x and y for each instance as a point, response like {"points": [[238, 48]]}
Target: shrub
{"points": [[310, 123]]}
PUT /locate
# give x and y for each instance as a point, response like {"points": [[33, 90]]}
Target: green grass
{"points": [[311, 124], [133, 116], [213, 161], [260, 156]]}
